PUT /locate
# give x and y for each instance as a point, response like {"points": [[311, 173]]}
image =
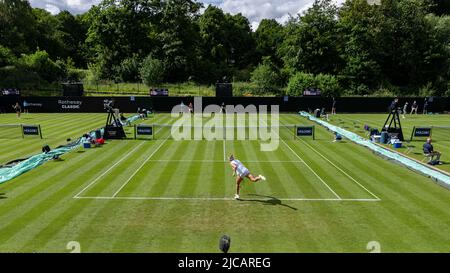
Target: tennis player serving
{"points": [[241, 172]]}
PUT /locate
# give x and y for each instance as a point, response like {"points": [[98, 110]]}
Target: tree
{"points": [[6, 56], [269, 37], [328, 85], [178, 37], [214, 53], [17, 26], [41, 63], [152, 71], [403, 43], [129, 69], [439, 27], [48, 37], [266, 79], [73, 33], [311, 41], [227, 42], [119, 29], [300, 82], [240, 41], [357, 31]]}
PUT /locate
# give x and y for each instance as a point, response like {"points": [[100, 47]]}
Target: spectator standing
{"points": [[18, 109], [333, 107], [425, 106], [414, 108], [405, 108]]}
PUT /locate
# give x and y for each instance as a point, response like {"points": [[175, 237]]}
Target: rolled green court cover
{"points": [[8, 173], [437, 176]]}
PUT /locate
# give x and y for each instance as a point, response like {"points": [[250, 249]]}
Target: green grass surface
{"points": [[175, 196], [139, 89], [441, 137]]}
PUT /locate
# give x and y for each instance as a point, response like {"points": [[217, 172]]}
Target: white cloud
{"points": [[52, 9], [74, 6], [254, 10]]}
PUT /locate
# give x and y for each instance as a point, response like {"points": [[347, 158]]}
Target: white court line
{"points": [[309, 167], [140, 167], [220, 161], [337, 167], [108, 170], [222, 199], [341, 170]]}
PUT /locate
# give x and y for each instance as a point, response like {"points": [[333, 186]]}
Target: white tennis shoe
{"points": [[262, 177], [236, 196]]}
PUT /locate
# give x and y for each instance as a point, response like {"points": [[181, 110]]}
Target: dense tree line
{"points": [[398, 47]]}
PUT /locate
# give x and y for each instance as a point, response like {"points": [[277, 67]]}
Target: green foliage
{"points": [[361, 70], [266, 79], [92, 74], [226, 42], [40, 63], [71, 31], [243, 75], [328, 84], [245, 89], [404, 47], [269, 37], [129, 69], [299, 82], [11, 76], [311, 42], [76, 75], [400, 47], [6, 56], [152, 71], [17, 26], [427, 90]]}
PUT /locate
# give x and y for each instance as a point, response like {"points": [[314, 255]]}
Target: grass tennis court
{"points": [[164, 195], [441, 136]]}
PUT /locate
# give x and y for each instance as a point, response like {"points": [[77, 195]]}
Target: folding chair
{"points": [[425, 156]]}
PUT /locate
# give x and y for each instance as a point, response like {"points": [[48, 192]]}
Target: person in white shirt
{"points": [[241, 172]]}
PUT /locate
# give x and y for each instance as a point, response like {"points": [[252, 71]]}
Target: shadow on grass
{"points": [[58, 160], [272, 201], [2, 196]]}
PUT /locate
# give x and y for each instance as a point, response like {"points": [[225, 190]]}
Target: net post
{"points": [[314, 132], [21, 130], [135, 128], [412, 133], [40, 131]]}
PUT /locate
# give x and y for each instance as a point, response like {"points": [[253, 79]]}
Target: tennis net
{"points": [[190, 132]]}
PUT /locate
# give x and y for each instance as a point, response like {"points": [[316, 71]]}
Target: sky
{"points": [[254, 10]]}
